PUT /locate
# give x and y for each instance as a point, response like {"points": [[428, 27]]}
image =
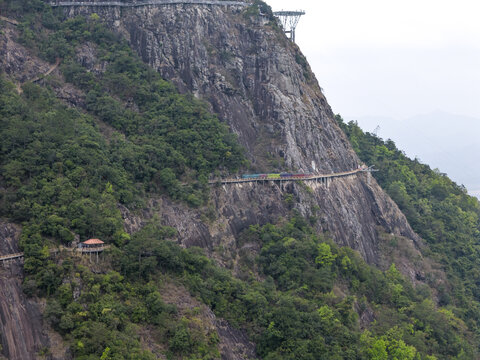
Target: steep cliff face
{"points": [[260, 84], [21, 331], [256, 80]]}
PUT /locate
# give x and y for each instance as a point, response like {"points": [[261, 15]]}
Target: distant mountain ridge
{"points": [[445, 141], [106, 147]]}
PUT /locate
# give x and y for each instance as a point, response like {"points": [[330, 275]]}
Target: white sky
{"points": [[395, 59]]}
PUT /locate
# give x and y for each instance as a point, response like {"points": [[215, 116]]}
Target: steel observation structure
{"points": [[289, 21]]}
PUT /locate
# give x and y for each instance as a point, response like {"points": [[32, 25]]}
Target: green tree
{"points": [[325, 256]]}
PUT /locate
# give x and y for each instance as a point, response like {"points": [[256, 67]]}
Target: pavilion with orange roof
{"points": [[91, 244]]}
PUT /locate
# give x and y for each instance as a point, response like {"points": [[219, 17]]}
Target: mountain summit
{"points": [[121, 119]]}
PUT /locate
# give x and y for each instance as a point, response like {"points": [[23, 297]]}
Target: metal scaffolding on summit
{"points": [[289, 21]]}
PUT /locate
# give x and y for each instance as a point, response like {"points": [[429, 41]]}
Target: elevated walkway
{"points": [[148, 2], [49, 71], [92, 250], [11, 256], [313, 177], [10, 21]]}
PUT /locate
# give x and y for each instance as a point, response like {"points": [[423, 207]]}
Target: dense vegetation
{"points": [[111, 311], [300, 297], [439, 210], [162, 137], [60, 176], [306, 307]]}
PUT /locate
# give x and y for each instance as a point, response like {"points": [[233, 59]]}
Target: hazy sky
{"points": [[393, 58]]}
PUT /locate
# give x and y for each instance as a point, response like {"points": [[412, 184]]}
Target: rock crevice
{"points": [[258, 83]]}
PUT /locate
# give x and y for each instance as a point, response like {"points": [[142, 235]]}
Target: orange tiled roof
{"points": [[93, 242]]}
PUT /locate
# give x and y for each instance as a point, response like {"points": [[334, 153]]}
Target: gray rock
{"points": [[21, 329], [258, 84], [256, 81]]}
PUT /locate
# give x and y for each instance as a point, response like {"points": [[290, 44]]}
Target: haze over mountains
{"points": [[112, 143], [442, 140]]}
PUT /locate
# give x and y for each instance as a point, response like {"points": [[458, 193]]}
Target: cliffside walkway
{"points": [[10, 21], [148, 2], [20, 255], [49, 71], [313, 177], [11, 256]]}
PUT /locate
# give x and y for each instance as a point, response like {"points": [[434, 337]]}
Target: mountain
{"points": [[115, 118], [445, 141]]}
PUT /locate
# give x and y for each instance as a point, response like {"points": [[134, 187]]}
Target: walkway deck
{"points": [[314, 177], [11, 256], [148, 2], [10, 21], [54, 251], [49, 71], [92, 250]]}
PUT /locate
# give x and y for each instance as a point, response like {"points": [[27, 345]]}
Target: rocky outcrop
{"points": [[254, 79], [16, 61], [21, 329], [259, 83], [21, 66], [233, 343], [350, 209]]}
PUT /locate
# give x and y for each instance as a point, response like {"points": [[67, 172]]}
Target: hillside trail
{"points": [[48, 72], [10, 21], [41, 76]]}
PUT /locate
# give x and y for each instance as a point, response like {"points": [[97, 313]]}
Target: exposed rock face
{"points": [[233, 343], [22, 331], [20, 318], [15, 60], [256, 80], [21, 66], [259, 83]]}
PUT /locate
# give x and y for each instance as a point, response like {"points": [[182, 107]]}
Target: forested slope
{"points": [[439, 210], [67, 170]]}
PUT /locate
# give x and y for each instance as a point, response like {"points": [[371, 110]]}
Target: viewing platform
{"points": [[92, 246], [93, 250]]}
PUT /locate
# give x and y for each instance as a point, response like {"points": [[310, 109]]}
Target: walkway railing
{"points": [[148, 2], [290, 178], [10, 21], [54, 251], [92, 249], [11, 256]]}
